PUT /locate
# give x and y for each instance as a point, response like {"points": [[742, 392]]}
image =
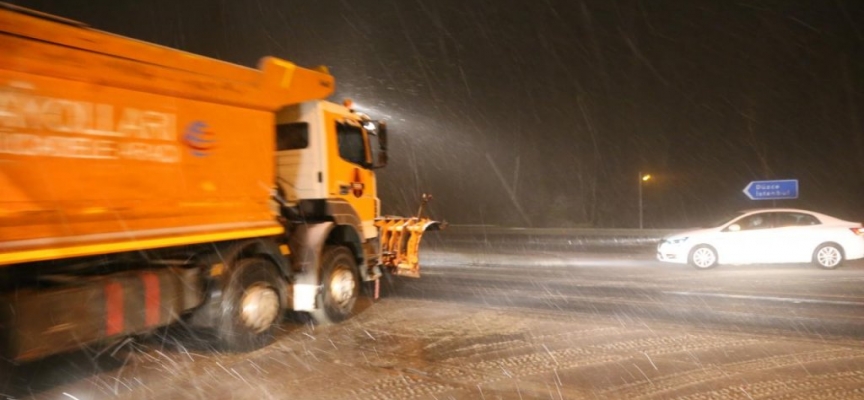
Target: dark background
{"points": [[543, 113]]}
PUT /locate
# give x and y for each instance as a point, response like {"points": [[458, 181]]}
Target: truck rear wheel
{"points": [[251, 306], [340, 286]]}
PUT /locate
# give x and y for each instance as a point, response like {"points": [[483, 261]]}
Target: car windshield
{"points": [[717, 222]]}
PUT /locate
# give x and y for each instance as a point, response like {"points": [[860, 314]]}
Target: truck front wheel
{"points": [[251, 305], [340, 286]]}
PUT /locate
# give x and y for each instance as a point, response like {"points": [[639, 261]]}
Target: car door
{"points": [[798, 234], [748, 240]]}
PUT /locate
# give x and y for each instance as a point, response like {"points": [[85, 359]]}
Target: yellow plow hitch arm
{"points": [[400, 241]]}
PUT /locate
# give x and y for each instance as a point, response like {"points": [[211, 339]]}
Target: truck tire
{"points": [[340, 286], [251, 306]]}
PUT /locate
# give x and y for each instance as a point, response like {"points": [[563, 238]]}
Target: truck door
{"points": [[351, 178]]}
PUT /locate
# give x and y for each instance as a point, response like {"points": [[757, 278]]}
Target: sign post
{"points": [[772, 190]]}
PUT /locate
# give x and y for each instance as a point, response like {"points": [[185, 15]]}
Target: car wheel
{"points": [[828, 256], [251, 306], [703, 257], [340, 286]]}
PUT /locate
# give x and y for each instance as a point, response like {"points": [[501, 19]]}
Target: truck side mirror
{"points": [[382, 135], [378, 142]]}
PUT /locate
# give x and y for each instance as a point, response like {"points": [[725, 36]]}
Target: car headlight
{"points": [[678, 240]]}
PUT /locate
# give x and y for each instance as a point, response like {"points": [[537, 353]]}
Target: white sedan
{"points": [[775, 235]]}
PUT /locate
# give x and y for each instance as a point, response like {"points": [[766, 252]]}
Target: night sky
{"points": [[542, 113]]}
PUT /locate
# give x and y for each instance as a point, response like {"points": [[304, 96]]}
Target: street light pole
{"points": [[642, 178], [640, 199]]}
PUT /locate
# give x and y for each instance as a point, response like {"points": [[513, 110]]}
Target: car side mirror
{"points": [[733, 228]]}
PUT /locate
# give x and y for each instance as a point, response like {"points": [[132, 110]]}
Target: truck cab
{"points": [[326, 152]]}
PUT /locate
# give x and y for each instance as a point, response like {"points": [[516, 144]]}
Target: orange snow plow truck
{"points": [[141, 186]]}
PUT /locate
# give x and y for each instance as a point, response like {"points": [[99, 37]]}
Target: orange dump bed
{"points": [[110, 144]]}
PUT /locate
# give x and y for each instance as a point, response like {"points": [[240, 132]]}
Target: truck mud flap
{"points": [[400, 243]]}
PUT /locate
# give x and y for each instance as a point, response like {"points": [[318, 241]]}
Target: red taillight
{"points": [[857, 231]]}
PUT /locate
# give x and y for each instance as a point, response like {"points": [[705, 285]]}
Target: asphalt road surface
{"points": [[502, 323]]}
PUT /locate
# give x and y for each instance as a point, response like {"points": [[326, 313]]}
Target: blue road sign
{"points": [[772, 190]]}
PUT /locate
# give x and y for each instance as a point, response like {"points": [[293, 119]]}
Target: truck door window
{"points": [[293, 136], [351, 146]]}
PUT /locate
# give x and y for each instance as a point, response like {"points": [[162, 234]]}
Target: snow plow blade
{"points": [[400, 243]]}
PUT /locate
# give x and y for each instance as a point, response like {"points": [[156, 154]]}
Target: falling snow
{"points": [[544, 115]]}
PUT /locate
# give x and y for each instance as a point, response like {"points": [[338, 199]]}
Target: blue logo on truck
{"points": [[199, 138]]}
